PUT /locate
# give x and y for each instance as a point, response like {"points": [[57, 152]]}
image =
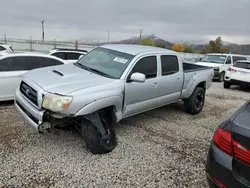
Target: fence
{"points": [[43, 46], [20, 45]]}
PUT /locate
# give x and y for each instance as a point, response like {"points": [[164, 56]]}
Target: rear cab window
{"points": [[169, 64]]}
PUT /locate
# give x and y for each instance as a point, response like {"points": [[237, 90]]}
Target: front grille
{"points": [[29, 92]]}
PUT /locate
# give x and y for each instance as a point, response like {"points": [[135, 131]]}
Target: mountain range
{"points": [[232, 47]]}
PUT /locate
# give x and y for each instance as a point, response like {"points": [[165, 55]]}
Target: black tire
{"points": [[227, 84], [221, 78], [195, 102], [95, 143]]}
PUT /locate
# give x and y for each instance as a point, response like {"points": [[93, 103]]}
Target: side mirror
{"points": [[137, 77], [80, 56]]}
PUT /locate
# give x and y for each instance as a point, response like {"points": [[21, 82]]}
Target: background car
{"points": [[192, 59], [5, 48], [14, 65], [68, 55], [228, 161], [238, 74], [220, 63]]}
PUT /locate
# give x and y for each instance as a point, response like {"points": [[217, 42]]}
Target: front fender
{"points": [[115, 101]]}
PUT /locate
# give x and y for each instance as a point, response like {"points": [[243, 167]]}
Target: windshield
{"points": [[106, 62], [220, 59]]}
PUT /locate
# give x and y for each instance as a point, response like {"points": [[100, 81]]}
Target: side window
{"points": [[2, 48], [237, 58], [39, 62], [60, 55], [14, 64], [228, 61], [169, 64], [72, 56], [147, 66]]}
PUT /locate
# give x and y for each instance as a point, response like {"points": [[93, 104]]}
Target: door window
{"points": [[39, 62], [237, 58], [72, 56], [14, 64], [147, 66], [169, 64]]}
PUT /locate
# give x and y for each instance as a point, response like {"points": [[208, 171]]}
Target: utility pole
{"points": [[108, 35], [140, 35], [43, 30]]}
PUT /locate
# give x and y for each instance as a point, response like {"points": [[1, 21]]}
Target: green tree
{"points": [[188, 49], [161, 45], [214, 46], [147, 42]]}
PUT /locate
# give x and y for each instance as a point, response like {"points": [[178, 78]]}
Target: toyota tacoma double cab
{"points": [[110, 83]]}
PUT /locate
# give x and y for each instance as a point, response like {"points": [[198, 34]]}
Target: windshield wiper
{"points": [[100, 72], [82, 66]]}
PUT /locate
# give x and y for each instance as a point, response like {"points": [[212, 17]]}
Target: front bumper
{"points": [[216, 74], [219, 167], [32, 116]]}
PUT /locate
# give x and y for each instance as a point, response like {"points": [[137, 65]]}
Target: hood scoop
{"points": [[57, 72]]}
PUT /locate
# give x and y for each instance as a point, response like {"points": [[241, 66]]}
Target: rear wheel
{"points": [[227, 84], [98, 133], [195, 102], [222, 76]]}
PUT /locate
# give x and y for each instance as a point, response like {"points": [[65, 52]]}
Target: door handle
{"points": [[155, 84]]}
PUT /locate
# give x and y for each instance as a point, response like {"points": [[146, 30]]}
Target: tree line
{"points": [[214, 46]]}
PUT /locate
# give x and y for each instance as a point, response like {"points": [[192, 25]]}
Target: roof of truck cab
{"points": [[134, 49]]}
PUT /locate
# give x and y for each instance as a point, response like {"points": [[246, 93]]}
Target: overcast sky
{"points": [[172, 20]]}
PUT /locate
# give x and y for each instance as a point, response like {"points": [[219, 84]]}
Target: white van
{"points": [[220, 63]]}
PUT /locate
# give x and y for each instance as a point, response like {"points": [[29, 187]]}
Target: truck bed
{"points": [[193, 75], [190, 67]]}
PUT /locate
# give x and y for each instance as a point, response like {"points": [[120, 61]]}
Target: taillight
{"points": [[230, 69], [223, 140], [241, 153]]}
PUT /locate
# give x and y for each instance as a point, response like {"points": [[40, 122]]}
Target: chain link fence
{"points": [[20, 45]]}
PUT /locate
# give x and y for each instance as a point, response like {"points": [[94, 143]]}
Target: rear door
{"points": [[170, 80], [241, 71], [11, 72]]}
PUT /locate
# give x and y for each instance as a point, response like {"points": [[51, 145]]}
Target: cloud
{"points": [[84, 19]]}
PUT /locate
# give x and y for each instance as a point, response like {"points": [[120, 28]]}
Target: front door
{"points": [[140, 97]]}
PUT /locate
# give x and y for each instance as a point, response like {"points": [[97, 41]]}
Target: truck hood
{"points": [[209, 64], [64, 79]]}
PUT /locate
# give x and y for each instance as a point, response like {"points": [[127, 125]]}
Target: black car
{"points": [[228, 161]]}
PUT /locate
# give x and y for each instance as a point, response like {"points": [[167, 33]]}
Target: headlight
{"points": [[216, 68], [56, 103]]}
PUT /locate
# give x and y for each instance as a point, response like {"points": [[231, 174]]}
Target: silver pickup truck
{"points": [[108, 84]]}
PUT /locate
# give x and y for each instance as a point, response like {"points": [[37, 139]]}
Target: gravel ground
{"points": [[162, 148]]}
